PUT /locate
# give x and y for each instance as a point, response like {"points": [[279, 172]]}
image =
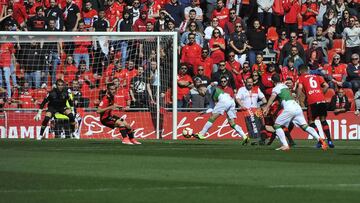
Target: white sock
{"points": [[312, 132], [206, 127], [280, 133], [240, 131]]}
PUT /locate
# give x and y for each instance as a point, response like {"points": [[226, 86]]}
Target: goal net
{"points": [[142, 65]]}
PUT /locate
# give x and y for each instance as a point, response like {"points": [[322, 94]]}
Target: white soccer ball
{"points": [[187, 132]]}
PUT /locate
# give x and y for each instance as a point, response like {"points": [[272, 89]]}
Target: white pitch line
{"points": [[106, 189], [343, 185]]}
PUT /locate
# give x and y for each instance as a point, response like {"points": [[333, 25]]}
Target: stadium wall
{"points": [[345, 126]]}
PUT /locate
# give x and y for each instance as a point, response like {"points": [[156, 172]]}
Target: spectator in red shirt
{"points": [[140, 24], [7, 51], [122, 97], [131, 72], [31, 6], [234, 67], [88, 15], [25, 97], [153, 7], [292, 9], [289, 71], [85, 78], [82, 46], [217, 46], [309, 11], [336, 73], [245, 73], [221, 13], [69, 70], [20, 14], [114, 13], [185, 83], [266, 80], [121, 74], [259, 66], [191, 52], [206, 62]]}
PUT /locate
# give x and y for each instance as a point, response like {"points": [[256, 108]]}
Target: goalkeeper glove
{"points": [[38, 115]]}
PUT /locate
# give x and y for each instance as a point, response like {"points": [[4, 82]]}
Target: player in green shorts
{"points": [[220, 102]]}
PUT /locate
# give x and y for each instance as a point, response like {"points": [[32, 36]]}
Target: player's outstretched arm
{"points": [[43, 103], [271, 100], [299, 91], [112, 107]]}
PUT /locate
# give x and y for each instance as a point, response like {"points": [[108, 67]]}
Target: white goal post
{"points": [[171, 50]]}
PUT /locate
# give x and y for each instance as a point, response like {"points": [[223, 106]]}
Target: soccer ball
{"points": [[187, 132]]}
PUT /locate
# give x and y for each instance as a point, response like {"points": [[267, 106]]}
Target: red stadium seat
{"points": [[350, 94], [329, 94], [352, 106], [337, 45], [272, 34]]}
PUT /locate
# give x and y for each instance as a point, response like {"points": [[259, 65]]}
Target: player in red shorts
{"points": [[112, 121], [314, 87], [269, 121]]}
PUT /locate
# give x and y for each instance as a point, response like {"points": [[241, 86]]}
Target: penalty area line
{"points": [[105, 189], [340, 185]]}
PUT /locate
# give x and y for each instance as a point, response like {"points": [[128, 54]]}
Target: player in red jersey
{"points": [[314, 87], [112, 121]]}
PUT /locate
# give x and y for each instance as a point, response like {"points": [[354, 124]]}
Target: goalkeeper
{"points": [[59, 100], [220, 102]]}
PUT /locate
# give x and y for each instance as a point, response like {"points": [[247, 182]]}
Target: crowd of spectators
{"points": [[219, 41]]}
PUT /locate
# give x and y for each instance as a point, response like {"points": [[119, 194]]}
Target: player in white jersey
{"points": [[220, 102], [292, 113]]}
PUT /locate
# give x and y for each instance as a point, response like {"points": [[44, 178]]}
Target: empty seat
{"points": [[337, 45], [329, 94]]}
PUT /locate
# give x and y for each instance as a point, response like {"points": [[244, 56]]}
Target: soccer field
{"points": [[176, 171]]}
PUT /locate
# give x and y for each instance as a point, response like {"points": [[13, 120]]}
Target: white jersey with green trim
{"points": [[284, 94], [217, 95]]}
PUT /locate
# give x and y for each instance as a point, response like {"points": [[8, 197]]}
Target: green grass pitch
{"points": [[176, 171]]}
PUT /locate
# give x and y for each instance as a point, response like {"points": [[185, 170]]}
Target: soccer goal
{"points": [[143, 65]]}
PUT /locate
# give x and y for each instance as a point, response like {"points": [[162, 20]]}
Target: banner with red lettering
{"points": [[18, 124]]}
